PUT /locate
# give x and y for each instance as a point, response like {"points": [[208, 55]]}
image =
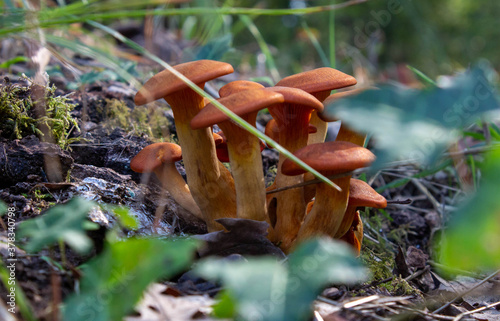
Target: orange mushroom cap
{"points": [[154, 156], [330, 158], [166, 83], [240, 103], [318, 80], [237, 86], [362, 194]]}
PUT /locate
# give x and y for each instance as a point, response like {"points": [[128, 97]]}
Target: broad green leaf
{"points": [[417, 124], [473, 238], [314, 265], [65, 222], [114, 281], [265, 290]]}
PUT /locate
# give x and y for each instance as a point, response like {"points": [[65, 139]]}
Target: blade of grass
{"points": [[221, 107], [422, 76], [315, 43], [263, 47]]}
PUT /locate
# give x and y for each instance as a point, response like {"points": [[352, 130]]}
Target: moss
{"points": [[144, 120], [22, 114]]}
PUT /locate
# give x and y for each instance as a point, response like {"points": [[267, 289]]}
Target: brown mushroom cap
{"points": [[318, 80], [166, 83], [240, 103], [237, 86], [297, 96], [330, 158], [155, 155], [362, 194]]}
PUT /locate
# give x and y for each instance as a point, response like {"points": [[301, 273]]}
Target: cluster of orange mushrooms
{"points": [[296, 104]]}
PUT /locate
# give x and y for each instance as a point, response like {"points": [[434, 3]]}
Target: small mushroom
{"points": [[211, 183], [160, 158], [319, 83], [243, 147], [360, 195], [329, 158]]}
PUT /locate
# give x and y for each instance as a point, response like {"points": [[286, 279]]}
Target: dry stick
{"points": [[489, 306], [468, 291], [428, 314], [352, 304], [426, 192]]}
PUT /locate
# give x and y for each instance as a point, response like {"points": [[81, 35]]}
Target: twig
{"points": [[489, 306], [468, 291]]}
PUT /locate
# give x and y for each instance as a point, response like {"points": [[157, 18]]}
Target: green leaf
{"points": [[13, 61], [123, 215], [417, 124], [265, 290], [114, 281], [473, 238], [225, 308], [62, 222]]}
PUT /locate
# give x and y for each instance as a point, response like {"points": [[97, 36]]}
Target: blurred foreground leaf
{"points": [[3, 208], [265, 290], [113, 282], [473, 238], [67, 222], [417, 124]]}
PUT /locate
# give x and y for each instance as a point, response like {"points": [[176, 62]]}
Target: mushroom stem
{"points": [[290, 203], [321, 126], [327, 212], [246, 166], [175, 185], [210, 183]]}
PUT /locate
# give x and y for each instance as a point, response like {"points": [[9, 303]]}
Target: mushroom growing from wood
{"points": [[160, 158], [210, 182], [329, 158], [319, 83], [243, 147]]}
